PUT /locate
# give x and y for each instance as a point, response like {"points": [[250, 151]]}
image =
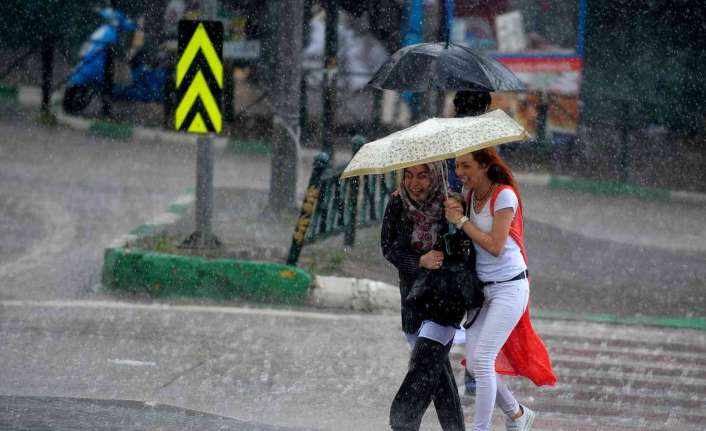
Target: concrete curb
{"points": [[354, 294], [163, 275]]}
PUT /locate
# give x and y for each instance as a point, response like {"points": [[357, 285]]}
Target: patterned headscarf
{"points": [[427, 216]]}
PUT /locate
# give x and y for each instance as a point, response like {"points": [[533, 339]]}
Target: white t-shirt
{"points": [[510, 261]]}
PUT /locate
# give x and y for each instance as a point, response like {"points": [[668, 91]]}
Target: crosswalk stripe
{"points": [[611, 395], [616, 379], [642, 352], [696, 370], [631, 344], [600, 332]]}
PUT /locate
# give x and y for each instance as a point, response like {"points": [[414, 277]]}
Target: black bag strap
{"points": [[468, 324]]}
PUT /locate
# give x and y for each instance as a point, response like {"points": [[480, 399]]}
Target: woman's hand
{"points": [[454, 210], [432, 260]]}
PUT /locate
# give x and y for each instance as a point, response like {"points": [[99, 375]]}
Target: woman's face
{"points": [[418, 182], [470, 172]]}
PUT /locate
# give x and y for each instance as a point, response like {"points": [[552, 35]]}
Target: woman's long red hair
{"points": [[502, 174]]}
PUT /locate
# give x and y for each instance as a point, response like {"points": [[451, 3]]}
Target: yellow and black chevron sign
{"points": [[199, 77]]}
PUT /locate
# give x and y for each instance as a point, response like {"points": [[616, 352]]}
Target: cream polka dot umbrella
{"points": [[434, 139]]}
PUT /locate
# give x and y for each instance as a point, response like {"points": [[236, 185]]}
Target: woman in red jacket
{"points": [[501, 340]]}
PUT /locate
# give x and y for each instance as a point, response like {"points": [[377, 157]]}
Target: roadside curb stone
{"points": [[354, 294], [168, 275]]}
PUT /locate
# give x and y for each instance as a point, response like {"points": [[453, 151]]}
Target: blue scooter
{"points": [[86, 80]]}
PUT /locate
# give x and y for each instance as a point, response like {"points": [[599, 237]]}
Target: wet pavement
{"points": [[85, 414], [326, 370], [66, 195]]}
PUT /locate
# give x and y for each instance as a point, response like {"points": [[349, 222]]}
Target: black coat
{"points": [[395, 240]]}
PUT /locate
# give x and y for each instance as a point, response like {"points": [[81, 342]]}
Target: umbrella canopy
{"points": [[434, 139], [443, 66]]}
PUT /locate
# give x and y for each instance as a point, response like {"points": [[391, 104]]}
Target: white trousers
{"points": [[502, 309]]}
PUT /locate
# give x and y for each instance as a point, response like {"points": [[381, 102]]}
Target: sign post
{"points": [[199, 86]]}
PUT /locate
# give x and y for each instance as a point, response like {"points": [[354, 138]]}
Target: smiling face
{"points": [[418, 182], [470, 172]]}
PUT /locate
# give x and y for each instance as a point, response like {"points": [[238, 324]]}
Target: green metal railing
{"points": [[332, 206]]}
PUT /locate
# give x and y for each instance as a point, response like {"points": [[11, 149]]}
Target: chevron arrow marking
{"points": [[198, 125], [199, 88], [201, 41]]}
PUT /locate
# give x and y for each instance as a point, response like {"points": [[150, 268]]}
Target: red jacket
{"points": [[524, 353]]}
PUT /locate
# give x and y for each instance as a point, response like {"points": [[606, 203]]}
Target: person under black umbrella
{"points": [[467, 104]]}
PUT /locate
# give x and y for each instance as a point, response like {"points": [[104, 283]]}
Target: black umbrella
{"points": [[444, 66]]}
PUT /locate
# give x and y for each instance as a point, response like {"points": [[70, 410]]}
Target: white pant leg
{"points": [[433, 331], [503, 307]]}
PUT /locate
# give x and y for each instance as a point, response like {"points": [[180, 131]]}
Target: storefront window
{"points": [[516, 25]]}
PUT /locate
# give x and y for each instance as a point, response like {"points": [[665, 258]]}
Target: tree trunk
{"points": [[287, 22]]}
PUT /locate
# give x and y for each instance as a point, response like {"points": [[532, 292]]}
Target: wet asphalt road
{"points": [[65, 195], [312, 369]]}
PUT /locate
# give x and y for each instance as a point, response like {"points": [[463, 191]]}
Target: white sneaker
{"points": [[523, 423]]}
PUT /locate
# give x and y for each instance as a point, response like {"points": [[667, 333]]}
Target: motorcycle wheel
{"points": [[77, 98]]}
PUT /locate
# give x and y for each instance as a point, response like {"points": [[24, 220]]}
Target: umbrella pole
{"points": [[445, 174]]}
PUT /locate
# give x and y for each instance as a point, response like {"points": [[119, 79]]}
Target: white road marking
{"points": [[132, 363]]}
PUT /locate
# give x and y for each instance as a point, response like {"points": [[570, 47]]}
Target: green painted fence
{"points": [[333, 206]]}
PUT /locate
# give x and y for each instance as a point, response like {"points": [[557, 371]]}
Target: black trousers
{"points": [[428, 378]]}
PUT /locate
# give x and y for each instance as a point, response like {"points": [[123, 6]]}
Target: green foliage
{"points": [[25, 23]]}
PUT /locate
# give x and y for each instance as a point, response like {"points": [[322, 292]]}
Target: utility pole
{"points": [[286, 38]]}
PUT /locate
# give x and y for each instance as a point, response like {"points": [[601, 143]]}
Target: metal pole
{"points": [[204, 191], [624, 143], [377, 114], [204, 162], [107, 90], [107, 80], [330, 72], [203, 238], [47, 72], [349, 239], [542, 119], [229, 94]]}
